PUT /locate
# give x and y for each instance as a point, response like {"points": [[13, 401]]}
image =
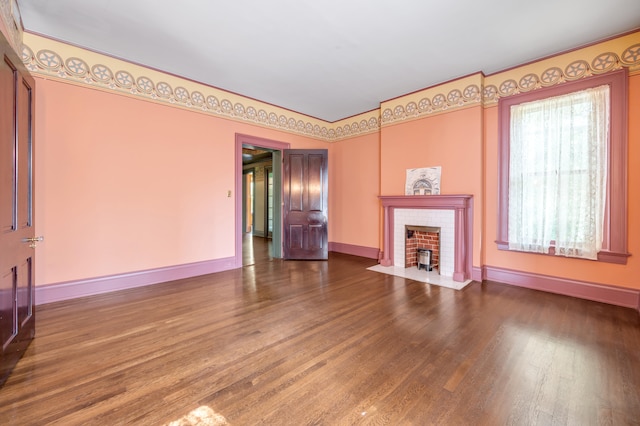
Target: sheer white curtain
{"points": [[557, 173]]}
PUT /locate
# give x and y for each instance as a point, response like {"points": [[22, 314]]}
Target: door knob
{"points": [[33, 241]]}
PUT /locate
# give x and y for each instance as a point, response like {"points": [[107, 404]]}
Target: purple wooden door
{"points": [[17, 317], [305, 186]]}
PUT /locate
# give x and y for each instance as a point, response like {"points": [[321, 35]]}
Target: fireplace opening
{"points": [[422, 247], [424, 259]]}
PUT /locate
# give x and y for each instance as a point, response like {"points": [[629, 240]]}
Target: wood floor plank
{"points": [[327, 343]]}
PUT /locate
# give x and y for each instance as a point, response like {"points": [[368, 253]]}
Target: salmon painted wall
{"points": [[575, 269], [452, 140], [354, 169], [126, 185]]}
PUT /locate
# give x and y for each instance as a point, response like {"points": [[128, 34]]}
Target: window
{"points": [[557, 173], [563, 170]]}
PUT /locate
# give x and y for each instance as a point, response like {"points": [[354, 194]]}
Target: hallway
{"points": [[256, 250]]}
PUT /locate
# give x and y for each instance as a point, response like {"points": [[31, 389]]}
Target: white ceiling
{"points": [[329, 59]]}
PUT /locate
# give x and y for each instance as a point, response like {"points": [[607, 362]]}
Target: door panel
{"points": [[24, 155], [296, 179], [295, 237], [315, 189], [8, 320], [305, 204], [17, 315], [316, 237], [24, 296], [7, 144]]}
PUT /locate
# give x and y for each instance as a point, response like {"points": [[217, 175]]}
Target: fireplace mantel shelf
{"points": [[426, 201], [463, 207]]}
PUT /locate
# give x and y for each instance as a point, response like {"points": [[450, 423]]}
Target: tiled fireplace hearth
{"points": [[453, 214]]}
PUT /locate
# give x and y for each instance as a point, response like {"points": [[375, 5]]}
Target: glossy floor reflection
{"points": [[327, 343], [256, 249]]}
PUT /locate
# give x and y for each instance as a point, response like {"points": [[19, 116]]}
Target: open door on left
{"points": [[17, 238]]}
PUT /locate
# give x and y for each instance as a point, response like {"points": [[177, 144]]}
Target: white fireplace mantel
{"points": [[463, 208]]}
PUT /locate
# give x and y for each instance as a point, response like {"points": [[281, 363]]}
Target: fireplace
{"points": [[425, 218], [453, 214], [422, 247]]}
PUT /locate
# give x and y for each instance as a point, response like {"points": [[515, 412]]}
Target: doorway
{"points": [[248, 204], [257, 205], [258, 199]]}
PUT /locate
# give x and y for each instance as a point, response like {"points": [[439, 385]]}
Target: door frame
{"points": [[246, 172], [268, 170], [278, 147]]}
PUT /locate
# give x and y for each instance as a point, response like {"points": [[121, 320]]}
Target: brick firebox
{"points": [[425, 237]]}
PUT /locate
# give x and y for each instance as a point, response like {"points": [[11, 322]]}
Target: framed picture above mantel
{"points": [[423, 181]]}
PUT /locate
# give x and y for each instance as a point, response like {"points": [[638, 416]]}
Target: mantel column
{"points": [[387, 235], [459, 267]]}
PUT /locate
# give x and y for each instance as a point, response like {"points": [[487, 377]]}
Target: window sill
{"points": [[605, 256]]}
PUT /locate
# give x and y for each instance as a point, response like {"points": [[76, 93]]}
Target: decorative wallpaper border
{"points": [[80, 66], [553, 75], [478, 89], [460, 93], [53, 59], [358, 125]]}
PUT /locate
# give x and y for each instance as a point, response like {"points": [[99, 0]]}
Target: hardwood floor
{"points": [[327, 343], [256, 250]]}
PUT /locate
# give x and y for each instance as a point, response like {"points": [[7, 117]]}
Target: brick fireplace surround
{"points": [[422, 239], [462, 205]]}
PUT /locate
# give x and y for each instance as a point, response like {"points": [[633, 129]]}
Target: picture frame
{"points": [[423, 181]]}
